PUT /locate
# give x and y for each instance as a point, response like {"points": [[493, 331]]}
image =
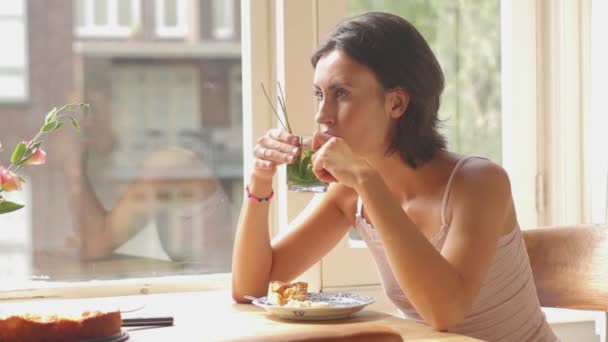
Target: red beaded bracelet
{"points": [[259, 199]]}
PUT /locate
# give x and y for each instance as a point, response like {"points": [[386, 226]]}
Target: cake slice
{"points": [[35, 327], [279, 293]]}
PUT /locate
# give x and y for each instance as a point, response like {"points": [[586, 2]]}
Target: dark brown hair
{"points": [[399, 56]]}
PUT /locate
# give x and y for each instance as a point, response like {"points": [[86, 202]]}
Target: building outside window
{"points": [[13, 60]]}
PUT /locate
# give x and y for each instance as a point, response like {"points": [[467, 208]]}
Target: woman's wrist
{"points": [[364, 176], [260, 187]]}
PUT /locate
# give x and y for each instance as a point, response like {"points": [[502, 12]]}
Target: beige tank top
{"points": [[507, 306]]}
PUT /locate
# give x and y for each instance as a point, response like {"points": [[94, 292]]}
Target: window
{"points": [[171, 18], [223, 19], [159, 159], [13, 61], [107, 18], [189, 100]]}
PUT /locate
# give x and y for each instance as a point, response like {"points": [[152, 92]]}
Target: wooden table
{"points": [[213, 316]]}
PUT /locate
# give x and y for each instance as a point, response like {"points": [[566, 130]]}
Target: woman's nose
{"points": [[325, 116]]}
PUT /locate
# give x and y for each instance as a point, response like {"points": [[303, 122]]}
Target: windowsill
{"points": [[32, 289]]}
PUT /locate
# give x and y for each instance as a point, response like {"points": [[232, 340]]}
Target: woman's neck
{"points": [[407, 182]]}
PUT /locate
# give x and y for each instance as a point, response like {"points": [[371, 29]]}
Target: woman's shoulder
{"points": [[481, 178], [481, 192], [482, 169]]}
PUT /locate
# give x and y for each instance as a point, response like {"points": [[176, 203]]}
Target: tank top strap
{"points": [[446, 193], [359, 205]]}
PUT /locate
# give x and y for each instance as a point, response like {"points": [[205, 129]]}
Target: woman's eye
{"points": [[319, 95], [340, 94]]}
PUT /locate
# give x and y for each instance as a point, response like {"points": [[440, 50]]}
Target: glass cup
{"points": [[300, 177]]}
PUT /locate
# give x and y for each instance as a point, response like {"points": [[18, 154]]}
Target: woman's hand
{"points": [[334, 161], [274, 148]]}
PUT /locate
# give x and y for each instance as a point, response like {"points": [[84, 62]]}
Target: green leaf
{"points": [[300, 171], [59, 125], [50, 116], [7, 207], [49, 126], [75, 124], [22, 179], [75, 106], [18, 153]]}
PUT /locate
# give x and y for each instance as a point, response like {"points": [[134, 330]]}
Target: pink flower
{"points": [[38, 158], [8, 180]]}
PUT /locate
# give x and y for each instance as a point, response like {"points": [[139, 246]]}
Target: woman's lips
{"points": [[330, 132]]}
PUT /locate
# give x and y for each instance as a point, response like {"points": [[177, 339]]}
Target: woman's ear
{"points": [[397, 102]]}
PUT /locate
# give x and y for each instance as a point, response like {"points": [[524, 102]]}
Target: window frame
{"points": [[226, 30], [597, 121], [112, 29]]}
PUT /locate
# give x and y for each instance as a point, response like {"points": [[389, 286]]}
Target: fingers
{"points": [[318, 139], [277, 146], [281, 135], [319, 169], [319, 164]]}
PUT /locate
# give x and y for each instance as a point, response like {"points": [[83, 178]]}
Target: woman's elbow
{"points": [[94, 250], [445, 318], [238, 294], [239, 297], [440, 325], [239, 291]]}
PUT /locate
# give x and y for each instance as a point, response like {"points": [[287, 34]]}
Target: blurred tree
{"points": [[465, 36]]}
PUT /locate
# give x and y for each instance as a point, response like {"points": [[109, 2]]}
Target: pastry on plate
{"points": [[280, 293]]}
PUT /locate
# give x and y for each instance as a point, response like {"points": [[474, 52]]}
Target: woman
{"points": [[158, 214], [441, 227]]}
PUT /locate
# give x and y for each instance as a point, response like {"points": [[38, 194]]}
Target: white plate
{"points": [[341, 305]]}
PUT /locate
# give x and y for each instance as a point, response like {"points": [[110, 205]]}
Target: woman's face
{"points": [[352, 104]]}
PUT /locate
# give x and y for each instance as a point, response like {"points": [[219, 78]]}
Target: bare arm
{"points": [[96, 240], [442, 286], [101, 231], [256, 260]]}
